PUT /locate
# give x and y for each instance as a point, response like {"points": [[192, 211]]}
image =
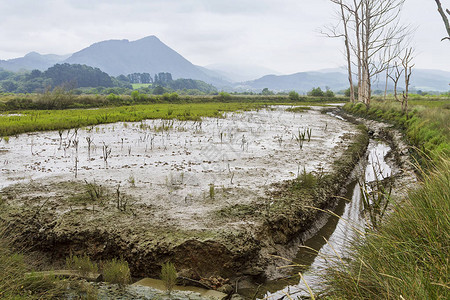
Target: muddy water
{"points": [[333, 238], [170, 166]]}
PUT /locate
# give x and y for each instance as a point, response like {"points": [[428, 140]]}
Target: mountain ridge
{"points": [[150, 55]]}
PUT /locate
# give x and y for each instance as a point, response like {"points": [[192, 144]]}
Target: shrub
{"points": [[117, 271], [169, 275]]}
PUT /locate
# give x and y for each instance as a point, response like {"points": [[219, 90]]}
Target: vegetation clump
{"points": [[15, 280], [406, 256], [82, 264], [117, 271], [169, 276]]}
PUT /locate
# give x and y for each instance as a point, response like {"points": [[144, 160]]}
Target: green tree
{"points": [[355, 91], [294, 96], [135, 95], [329, 93], [9, 86], [316, 92], [266, 91], [159, 90]]}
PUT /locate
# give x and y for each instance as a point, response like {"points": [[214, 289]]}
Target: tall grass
{"points": [[14, 281], [426, 128], [407, 256], [117, 271]]}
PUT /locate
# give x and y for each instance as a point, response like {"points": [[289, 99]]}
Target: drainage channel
{"points": [[334, 237]]}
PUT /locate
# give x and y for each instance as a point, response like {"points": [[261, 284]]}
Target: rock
{"points": [[236, 297], [226, 288]]}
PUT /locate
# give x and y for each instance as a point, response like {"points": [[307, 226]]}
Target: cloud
{"points": [[278, 34]]}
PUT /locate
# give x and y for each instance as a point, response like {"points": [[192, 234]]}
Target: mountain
{"points": [[148, 54], [336, 79], [240, 72], [302, 82], [31, 61]]}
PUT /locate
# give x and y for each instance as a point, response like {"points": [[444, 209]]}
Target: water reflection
{"points": [[333, 239]]}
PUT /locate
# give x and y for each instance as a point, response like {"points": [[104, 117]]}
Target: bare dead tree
{"points": [[403, 69], [374, 34], [345, 17], [395, 75], [444, 18], [407, 67]]}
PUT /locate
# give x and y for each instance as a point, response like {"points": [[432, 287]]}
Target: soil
{"points": [[213, 196]]}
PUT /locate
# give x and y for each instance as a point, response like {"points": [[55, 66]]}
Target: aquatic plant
{"points": [[106, 153], [82, 264], [117, 271], [168, 276], [89, 140], [95, 192], [212, 192]]}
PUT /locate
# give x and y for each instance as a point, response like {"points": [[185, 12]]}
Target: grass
{"points": [[15, 284], [137, 86], [82, 264], [168, 276], [45, 120], [117, 271], [426, 128], [407, 256]]}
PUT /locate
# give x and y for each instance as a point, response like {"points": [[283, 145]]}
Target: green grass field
{"points": [[44, 120]]}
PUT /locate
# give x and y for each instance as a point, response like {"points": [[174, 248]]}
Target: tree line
{"points": [[86, 79]]}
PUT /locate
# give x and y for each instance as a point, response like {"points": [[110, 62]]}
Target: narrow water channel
{"points": [[333, 238]]}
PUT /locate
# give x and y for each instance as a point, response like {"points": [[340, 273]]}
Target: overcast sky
{"points": [[282, 35]]}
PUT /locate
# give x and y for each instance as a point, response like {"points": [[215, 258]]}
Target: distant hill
{"points": [[32, 61], [302, 82], [148, 54], [240, 72], [421, 79]]}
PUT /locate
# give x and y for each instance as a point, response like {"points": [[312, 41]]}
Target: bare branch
{"points": [[444, 18]]}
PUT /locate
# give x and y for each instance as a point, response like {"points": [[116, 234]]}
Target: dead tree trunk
{"points": [[407, 67], [444, 18]]}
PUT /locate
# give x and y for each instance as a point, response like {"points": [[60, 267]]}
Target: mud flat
{"points": [[216, 197]]}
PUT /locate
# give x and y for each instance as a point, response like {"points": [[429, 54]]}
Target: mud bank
{"points": [[164, 195]]}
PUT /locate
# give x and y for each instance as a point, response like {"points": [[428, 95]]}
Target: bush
{"points": [[117, 271], [169, 275]]}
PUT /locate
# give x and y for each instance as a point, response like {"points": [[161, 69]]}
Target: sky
{"points": [[281, 35]]}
